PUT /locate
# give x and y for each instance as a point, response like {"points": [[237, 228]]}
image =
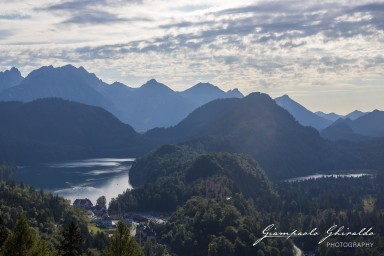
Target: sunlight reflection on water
{"points": [[89, 178]]}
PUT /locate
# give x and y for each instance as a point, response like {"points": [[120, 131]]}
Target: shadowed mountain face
{"points": [[152, 105], [55, 129], [370, 125], [255, 125], [10, 78], [329, 116], [301, 114]]}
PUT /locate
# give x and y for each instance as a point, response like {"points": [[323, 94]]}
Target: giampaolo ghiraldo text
{"points": [[334, 231]]}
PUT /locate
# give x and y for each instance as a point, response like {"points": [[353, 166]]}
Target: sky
{"points": [[327, 55]]}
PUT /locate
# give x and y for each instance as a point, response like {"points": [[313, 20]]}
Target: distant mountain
{"points": [[255, 125], [152, 105], [370, 125], [55, 129], [10, 78], [333, 117], [329, 116], [156, 105], [65, 82], [203, 93], [301, 114], [355, 114]]}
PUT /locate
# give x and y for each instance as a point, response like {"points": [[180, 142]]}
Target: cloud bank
{"points": [[273, 46]]}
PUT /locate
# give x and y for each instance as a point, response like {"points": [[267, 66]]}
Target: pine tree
{"points": [[122, 244], [21, 240], [72, 241]]}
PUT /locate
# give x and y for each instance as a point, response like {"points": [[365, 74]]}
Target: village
{"points": [[105, 220]]}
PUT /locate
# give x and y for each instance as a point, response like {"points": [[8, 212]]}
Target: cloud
{"points": [[14, 16], [79, 5], [5, 34], [93, 17], [91, 12], [74, 5]]}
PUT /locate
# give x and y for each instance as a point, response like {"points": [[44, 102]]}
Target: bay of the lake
{"points": [[89, 178]]}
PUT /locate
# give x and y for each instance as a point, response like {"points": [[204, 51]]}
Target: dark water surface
{"points": [[89, 178]]}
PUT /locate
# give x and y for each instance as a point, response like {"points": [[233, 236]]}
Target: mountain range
{"points": [[254, 125], [282, 141], [47, 130], [10, 78], [333, 116], [370, 125], [355, 126], [301, 114], [149, 106]]}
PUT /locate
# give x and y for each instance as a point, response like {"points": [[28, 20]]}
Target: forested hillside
{"points": [[178, 181], [55, 129], [173, 174]]}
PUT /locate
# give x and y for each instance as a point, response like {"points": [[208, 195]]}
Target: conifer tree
{"points": [[21, 240], [72, 241]]}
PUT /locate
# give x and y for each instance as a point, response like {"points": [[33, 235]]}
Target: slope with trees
{"points": [[54, 129], [171, 175]]}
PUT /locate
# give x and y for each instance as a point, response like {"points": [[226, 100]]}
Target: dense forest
{"points": [[39, 224], [175, 179], [173, 174], [55, 129]]}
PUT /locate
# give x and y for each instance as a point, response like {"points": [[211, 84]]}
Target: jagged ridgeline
{"points": [[169, 176]]}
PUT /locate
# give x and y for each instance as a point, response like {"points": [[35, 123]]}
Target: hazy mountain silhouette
{"points": [[333, 116], [55, 129], [301, 114], [149, 106], [65, 82], [329, 116], [152, 105], [10, 78], [203, 93], [255, 125], [355, 114], [156, 105], [370, 125]]}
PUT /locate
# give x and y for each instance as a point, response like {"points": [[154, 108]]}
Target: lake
{"points": [[89, 178]]}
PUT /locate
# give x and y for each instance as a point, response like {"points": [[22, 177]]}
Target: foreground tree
{"points": [[72, 241], [23, 241], [122, 244]]}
